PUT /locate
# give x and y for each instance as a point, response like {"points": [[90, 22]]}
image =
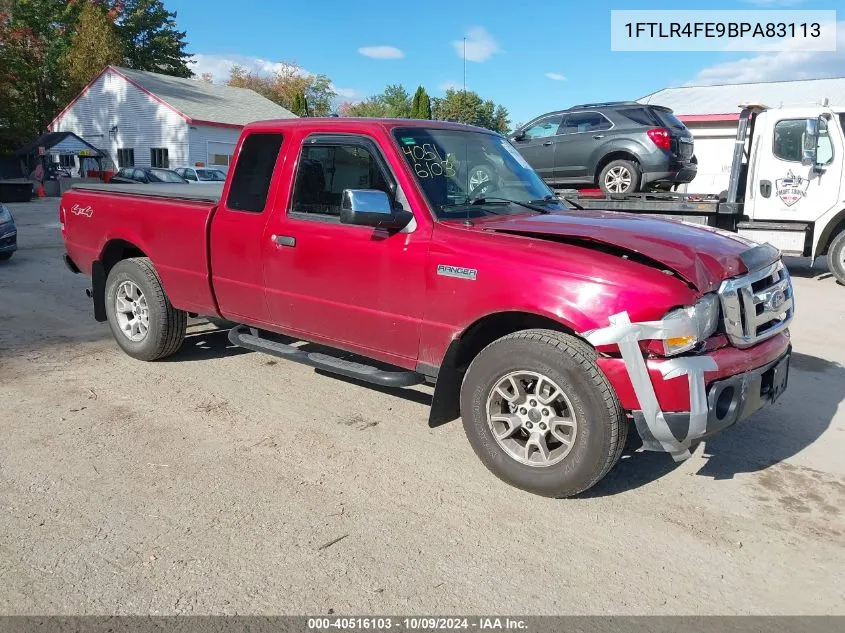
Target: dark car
{"points": [[145, 175], [622, 147], [8, 234]]}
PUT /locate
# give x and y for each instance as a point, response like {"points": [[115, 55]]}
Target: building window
{"points": [[221, 160], [159, 157], [126, 157], [67, 160]]}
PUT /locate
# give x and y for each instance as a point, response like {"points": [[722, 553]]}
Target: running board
{"points": [[242, 337]]}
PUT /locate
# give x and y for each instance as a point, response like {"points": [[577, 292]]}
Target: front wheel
{"points": [[836, 257], [541, 415], [143, 321], [620, 176]]}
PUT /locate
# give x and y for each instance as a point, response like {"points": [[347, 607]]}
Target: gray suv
{"points": [[623, 147]]}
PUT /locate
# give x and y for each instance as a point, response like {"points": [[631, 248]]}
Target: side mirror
{"points": [[810, 143], [371, 207], [518, 136]]}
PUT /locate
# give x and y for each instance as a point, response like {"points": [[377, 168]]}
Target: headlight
{"points": [[692, 325], [5, 215]]}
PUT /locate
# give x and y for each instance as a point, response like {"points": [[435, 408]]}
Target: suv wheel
{"points": [[620, 176], [541, 415]]}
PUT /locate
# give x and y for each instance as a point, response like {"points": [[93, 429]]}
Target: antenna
{"points": [[465, 64]]}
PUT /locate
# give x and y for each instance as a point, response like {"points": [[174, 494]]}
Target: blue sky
{"points": [[531, 56]]}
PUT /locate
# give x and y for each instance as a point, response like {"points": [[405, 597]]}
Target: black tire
{"points": [[492, 178], [167, 325], [571, 363], [633, 170], [836, 257], [4, 257]]}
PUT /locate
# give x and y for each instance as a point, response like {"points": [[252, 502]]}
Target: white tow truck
{"points": [[786, 186]]}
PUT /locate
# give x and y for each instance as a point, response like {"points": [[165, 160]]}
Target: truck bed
{"points": [[201, 193]]}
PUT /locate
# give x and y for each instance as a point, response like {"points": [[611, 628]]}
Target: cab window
{"points": [[253, 172], [325, 169], [789, 139]]}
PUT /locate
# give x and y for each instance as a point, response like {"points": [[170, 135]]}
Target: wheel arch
{"points": [[616, 154], [113, 251], [445, 404], [829, 233]]}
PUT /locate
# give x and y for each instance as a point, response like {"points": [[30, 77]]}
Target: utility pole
{"points": [[465, 65]]}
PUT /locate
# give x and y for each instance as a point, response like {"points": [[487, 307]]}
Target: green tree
{"points": [[421, 104], [300, 104], [93, 46], [34, 38], [284, 84], [393, 103], [151, 40], [467, 107]]}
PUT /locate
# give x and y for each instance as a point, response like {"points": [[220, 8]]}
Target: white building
{"points": [[711, 114], [146, 119]]}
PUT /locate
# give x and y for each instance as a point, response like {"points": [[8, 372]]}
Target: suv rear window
{"points": [[253, 171], [641, 116], [668, 119]]}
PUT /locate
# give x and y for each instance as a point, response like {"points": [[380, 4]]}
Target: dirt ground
{"points": [[219, 482]]}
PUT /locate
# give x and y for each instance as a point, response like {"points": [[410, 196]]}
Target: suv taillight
{"points": [[660, 137]]}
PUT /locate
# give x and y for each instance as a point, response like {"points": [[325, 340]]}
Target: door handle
{"points": [[283, 240], [547, 143], [598, 136]]}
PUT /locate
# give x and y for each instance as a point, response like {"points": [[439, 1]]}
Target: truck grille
{"points": [[758, 305]]}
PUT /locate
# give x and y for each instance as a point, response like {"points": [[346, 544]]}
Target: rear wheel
{"points": [[143, 321], [541, 415], [620, 176], [836, 257]]}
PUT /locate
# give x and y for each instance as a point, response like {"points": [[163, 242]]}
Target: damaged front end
{"points": [[726, 384]]}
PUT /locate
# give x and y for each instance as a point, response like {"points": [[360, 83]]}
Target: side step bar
{"points": [[242, 337]]}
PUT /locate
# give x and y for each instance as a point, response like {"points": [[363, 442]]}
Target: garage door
{"points": [[220, 154]]}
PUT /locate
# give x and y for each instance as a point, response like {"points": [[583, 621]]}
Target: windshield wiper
{"points": [[531, 204]]}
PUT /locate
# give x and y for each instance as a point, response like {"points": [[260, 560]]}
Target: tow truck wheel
{"points": [[541, 415], [143, 321], [836, 257]]}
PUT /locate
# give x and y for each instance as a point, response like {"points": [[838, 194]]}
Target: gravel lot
{"points": [[219, 481]]}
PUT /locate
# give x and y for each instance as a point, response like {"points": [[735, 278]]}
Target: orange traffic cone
{"points": [[40, 191]]}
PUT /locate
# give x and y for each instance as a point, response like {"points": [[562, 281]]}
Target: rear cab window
{"points": [[254, 171]]}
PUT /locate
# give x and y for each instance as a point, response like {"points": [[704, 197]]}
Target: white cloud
{"points": [[480, 45], [381, 52], [778, 66], [556, 76], [221, 65], [450, 85]]}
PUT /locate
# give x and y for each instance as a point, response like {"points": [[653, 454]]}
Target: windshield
{"points": [[211, 174], [470, 174], [164, 175]]}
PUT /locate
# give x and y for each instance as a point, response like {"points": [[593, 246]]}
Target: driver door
{"points": [[783, 188]]}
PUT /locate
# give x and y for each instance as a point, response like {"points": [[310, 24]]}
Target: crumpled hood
{"points": [[701, 255]]}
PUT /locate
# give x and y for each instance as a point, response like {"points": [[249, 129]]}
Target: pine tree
{"points": [[151, 40], [93, 46], [425, 105], [299, 104]]}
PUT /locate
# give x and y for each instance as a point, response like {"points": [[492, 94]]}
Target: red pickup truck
{"points": [[431, 252]]}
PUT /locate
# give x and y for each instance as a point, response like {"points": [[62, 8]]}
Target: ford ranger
{"points": [[552, 331]]}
